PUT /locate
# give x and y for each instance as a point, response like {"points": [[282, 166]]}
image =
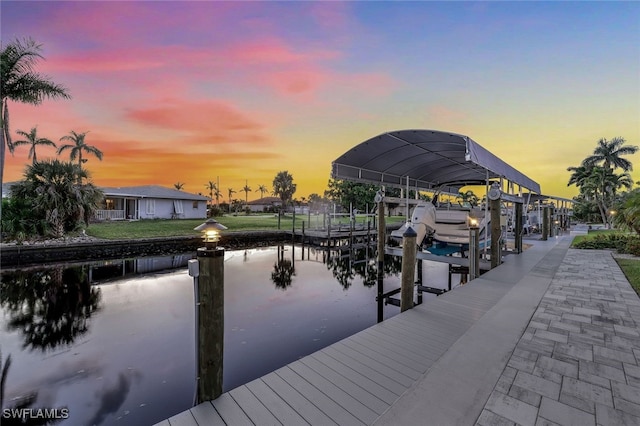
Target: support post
{"points": [[518, 229], [409, 249], [496, 232], [545, 223], [381, 241], [210, 323], [474, 254]]}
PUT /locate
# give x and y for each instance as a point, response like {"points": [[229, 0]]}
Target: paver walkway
{"points": [[577, 362]]}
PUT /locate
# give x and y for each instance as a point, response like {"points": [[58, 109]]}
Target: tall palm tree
{"points": [[217, 194], [609, 154], [78, 147], [231, 192], [262, 189], [246, 189], [178, 185], [32, 139], [20, 83], [212, 187]]}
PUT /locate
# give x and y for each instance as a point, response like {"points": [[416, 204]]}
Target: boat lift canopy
{"points": [[427, 159]]}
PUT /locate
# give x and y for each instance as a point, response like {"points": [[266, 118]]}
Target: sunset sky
{"points": [[191, 90]]}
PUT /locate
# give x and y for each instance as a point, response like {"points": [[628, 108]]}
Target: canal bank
{"points": [[76, 250]]}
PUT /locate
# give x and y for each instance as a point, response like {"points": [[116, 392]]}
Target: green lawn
{"points": [[183, 227], [592, 234], [631, 269]]}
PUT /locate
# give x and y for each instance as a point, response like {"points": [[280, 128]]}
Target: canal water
{"points": [[113, 341]]}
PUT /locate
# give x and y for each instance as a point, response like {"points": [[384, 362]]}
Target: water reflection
{"points": [[283, 270], [50, 308], [113, 340]]}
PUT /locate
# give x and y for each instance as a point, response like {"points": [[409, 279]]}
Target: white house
{"points": [[151, 202]]}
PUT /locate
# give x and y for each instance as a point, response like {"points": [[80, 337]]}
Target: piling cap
{"points": [[409, 232]]}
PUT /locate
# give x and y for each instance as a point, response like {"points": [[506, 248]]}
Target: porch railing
{"points": [[110, 214]]}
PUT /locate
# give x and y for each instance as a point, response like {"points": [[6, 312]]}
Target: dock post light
{"points": [[210, 312], [474, 249]]}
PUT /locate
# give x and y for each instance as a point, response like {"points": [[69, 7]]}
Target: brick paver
{"points": [[577, 361]]}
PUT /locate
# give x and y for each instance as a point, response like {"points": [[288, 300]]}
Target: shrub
{"points": [[632, 246]]}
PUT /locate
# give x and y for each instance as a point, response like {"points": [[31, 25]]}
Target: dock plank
{"points": [[230, 411], [368, 338], [336, 393], [363, 395], [393, 360], [366, 370], [419, 343], [305, 408], [320, 400], [253, 408], [439, 334], [429, 348], [206, 414], [407, 358], [279, 407], [380, 392], [183, 419], [163, 423]]}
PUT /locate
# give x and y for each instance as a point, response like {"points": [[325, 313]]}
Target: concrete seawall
{"points": [[22, 255]]}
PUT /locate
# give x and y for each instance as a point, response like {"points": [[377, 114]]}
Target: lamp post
{"points": [[474, 249], [210, 312]]}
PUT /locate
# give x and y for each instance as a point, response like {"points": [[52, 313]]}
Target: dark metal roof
{"points": [[429, 158]]}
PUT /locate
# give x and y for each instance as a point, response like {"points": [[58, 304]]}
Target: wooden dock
{"points": [[357, 380]]}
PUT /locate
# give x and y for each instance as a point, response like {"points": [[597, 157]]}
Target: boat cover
{"points": [[428, 159]]}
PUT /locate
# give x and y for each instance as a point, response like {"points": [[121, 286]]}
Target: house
{"points": [[150, 202], [266, 204]]}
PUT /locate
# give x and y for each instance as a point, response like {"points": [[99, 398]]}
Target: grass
{"points": [[631, 268], [116, 230], [592, 234]]}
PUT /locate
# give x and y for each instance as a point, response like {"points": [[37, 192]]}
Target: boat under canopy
{"points": [[424, 160]]}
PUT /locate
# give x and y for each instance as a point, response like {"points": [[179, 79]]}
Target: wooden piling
{"points": [[381, 241], [545, 223], [496, 232], [210, 323], [409, 249], [518, 228]]}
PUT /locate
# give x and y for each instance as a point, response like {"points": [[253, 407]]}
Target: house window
{"points": [[109, 204], [177, 207], [151, 207], [195, 204]]}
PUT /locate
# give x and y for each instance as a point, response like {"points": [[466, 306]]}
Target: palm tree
{"points": [[212, 187], [52, 187], [609, 154], [231, 192], [178, 185], [262, 190], [217, 194], [246, 191], [20, 83], [32, 139], [78, 147], [579, 175], [283, 187]]}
